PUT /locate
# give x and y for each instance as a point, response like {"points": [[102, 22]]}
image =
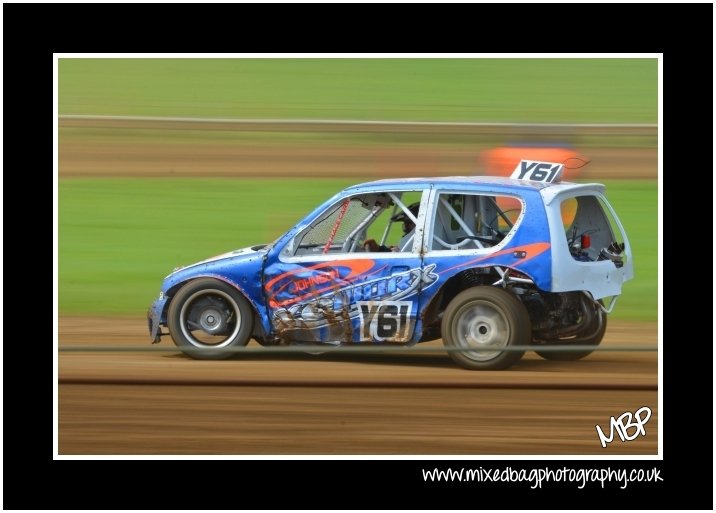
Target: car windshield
{"points": [[345, 227]]}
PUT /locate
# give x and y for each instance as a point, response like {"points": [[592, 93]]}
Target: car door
{"points": [[322, 286]]}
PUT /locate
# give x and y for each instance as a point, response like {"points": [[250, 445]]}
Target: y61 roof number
{"points": [[547, 172]]}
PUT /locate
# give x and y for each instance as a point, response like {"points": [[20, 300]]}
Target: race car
{"points": [[492, 265]]}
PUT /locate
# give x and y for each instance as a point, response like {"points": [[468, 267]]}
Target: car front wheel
{"points": [[481, 325], [208, 318]]}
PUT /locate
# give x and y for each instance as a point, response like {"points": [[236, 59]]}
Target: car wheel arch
{"points": [[258, 318], [458, 282]]}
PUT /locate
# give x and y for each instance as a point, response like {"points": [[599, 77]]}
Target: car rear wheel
{"points": [[481, 325], [208, 318]]}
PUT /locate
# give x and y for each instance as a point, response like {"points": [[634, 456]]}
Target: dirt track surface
{"points": [[336, 404], [137, 153]]}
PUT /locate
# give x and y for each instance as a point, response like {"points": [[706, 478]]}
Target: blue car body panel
{"points": [[242, 269]]}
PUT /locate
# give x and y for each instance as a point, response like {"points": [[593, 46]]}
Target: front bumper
{"points": [[155, 320]]}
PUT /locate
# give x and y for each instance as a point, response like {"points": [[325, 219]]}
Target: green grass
{"points": [[488, 90], [118, 238]]}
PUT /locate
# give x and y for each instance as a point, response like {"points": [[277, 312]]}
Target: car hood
{"points": [[237, 254], [224, 265]]}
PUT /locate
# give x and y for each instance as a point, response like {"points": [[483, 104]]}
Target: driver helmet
{"points": [[402, 217]]}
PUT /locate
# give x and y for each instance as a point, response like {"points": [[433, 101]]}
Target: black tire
{"points": [[208, 318], [592, 335], [485, 316]]}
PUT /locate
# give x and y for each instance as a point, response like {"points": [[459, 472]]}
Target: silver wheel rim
{"points": [[481, 325], [205, 315]]}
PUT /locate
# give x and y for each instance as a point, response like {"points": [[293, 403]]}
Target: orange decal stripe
{"points": [[357, 268], [532, 250]]}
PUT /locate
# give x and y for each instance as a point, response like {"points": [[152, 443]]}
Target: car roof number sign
{"points": [[535, 171]]}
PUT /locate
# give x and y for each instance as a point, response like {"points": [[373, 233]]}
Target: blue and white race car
{"points": [[490, 265]]}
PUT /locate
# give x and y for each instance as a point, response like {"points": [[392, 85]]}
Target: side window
{"points": [[394, 231], [360, 223], [591, 232], [455, 201], [473, 221]]}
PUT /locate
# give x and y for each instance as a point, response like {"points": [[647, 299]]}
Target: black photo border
{"points": [[33, 32]]}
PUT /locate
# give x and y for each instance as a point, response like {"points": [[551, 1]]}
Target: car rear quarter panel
{"points": [[527, 248], [600, 278]]}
